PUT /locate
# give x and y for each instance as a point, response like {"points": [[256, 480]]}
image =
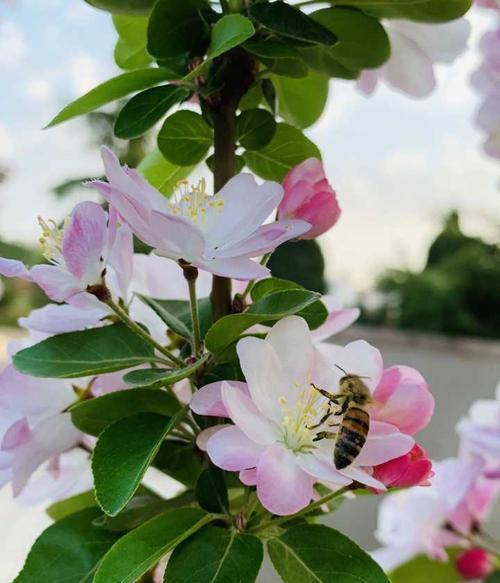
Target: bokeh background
{"points": [[416, 247]]}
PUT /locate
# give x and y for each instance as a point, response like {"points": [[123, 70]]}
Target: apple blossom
{"points": [[416, 48], [474, 564], [309, 196], [219, 233], [79, 254], [420, 520], [276, 412], [338, 319]]}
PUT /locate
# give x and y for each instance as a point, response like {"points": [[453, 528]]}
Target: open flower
{"points": [[422, 520], [277, 415], [309, 196], [79, 254], [416, 47], [33, 425], [219, 233]]}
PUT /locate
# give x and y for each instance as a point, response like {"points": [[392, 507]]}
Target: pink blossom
{"points": [[275, 412], [474, 564], [416, 48], [33, 426], [493, 4], [89, 243], [339, 318], [411, 469], [309, 196], [421, 520], [219, 233]]}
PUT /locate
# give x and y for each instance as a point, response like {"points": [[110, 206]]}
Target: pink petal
{"points": [[121, 258], [265, 376], [247, 417], [368, 80], [402, 398], [359, 358], [322, 470], [57, 283], [175, 236], [358, 475], [249, 477], [282, 486], [84, 240], [14, 268], [17, 434], [336, 321], [264, 239], [205, 434], [51, 437], [385, 442], [231, 450], [56, 319], [208, 399], [240, 268]]}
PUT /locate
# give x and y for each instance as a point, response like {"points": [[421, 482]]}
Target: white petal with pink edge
{"points": [[231, 450]]}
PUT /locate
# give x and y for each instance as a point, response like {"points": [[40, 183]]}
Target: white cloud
{"points": [[6, 144], [84, 72], [39, 89], [13, 45]]}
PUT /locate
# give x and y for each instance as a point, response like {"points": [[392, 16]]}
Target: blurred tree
{"points": [[458, 291]]}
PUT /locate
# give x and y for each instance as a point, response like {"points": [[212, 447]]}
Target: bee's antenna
{"points": [[340, 368]]}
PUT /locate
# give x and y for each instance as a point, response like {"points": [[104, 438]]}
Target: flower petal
{"points": [[265, 376], [56, 318], [359, 358], [208, 399], [231, 450], [249, 477], [57, 283], [14, 268], [205, 434], [247, 417], [84, 240], [358, 475], [321, 470], [338, 319], [291, 340], [240, 268], [402, 398], [385, 442], [282, 486]]}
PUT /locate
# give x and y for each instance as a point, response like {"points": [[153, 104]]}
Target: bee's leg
{"points": [[323, 419], [325, 435], [332, 397], [334, 424]]}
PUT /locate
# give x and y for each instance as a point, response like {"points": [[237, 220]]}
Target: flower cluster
{"points": [[279, 416], [451, 512]]}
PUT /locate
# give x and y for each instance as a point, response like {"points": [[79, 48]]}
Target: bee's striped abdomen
{"points": [[351, 436]]}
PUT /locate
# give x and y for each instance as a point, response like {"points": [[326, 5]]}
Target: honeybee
{"points": [[352, 403]]}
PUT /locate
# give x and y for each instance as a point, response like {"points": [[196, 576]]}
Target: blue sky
{"points": [[398, 164]]}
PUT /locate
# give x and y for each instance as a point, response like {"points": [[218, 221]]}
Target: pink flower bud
{"points": [[309, 197], [412, 469], [474, 564]]}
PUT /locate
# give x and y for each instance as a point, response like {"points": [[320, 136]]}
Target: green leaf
{"points": [[109, 91], [288, 148], [363, 43], [139, 550], [179, 460], [142, 508], [316, 553], [211, 491], [217, 555], [300, 261], [185, 138], [239, 163], [123, 6], [271, 48], [68, 551], [288, 21], [123, 453], [170, 316], [94, 415], [423, 570], [161, 173], [422, 11], [176, 28], [301, 102], [130, 49], [89, 352], [493, 578], [146, 108], [165, 309], [229, 32], [255, 128], [293, 68], [270, 308], [62, 508], [153, 378], [269, 285]]}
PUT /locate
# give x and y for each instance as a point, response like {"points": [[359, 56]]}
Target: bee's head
{"points": [[353, 386]]}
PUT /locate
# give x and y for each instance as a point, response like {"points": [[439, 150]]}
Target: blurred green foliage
{"points": [[457, 292]]}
